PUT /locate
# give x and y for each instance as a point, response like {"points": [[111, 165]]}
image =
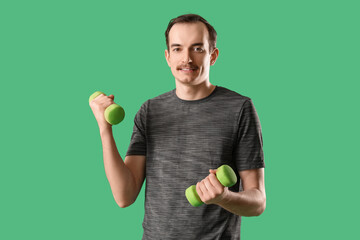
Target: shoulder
{"points": [[223, 91], [162, 98], [231, 97]]}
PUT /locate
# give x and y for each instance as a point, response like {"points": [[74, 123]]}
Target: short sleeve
{"points": [[248, 151], [138, 138]]}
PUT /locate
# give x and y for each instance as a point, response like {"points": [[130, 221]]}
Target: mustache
{"points": [[188, 66]]}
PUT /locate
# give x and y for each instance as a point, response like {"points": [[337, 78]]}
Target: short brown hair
{"points": [[191, 18]]}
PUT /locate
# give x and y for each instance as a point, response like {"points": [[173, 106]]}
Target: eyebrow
{"points": [[195, 44]]}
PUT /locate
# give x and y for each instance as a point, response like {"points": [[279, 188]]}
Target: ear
{"points": [[214, 55], [167, 57]]}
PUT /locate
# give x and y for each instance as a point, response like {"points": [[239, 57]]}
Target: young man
{"points": [[181, 137]]}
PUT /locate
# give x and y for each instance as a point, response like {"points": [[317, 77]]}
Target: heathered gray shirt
{"points": [[182, 140]]}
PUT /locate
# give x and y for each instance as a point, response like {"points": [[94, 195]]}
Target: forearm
{"points": [[247, 203], [119, 176]]}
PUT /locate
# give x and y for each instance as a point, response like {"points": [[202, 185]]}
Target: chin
{"points": [[187, 81]]}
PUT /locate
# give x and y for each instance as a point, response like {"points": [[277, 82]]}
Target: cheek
{"points": [[174, 64], [174, 70]]}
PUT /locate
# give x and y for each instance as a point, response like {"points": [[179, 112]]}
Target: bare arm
{"points": [[251, 201], [126, 178]]}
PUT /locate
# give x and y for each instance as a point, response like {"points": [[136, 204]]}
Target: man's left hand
{"points": [[210, 190]]}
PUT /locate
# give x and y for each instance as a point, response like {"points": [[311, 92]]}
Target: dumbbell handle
{"points": [[114, 113]]}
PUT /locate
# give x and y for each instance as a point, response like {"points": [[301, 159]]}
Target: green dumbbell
{"points": [[114, 113], [226, 176]]}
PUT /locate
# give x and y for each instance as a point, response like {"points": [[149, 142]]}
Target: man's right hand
{"points": [[98, 106]]}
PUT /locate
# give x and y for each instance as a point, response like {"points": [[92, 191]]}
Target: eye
{"points": [[199, 49], [175, 49]]}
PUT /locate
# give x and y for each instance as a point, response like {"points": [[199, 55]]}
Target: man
{"points": [[181, 137]]}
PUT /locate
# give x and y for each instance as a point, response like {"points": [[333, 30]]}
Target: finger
{"points": [[215, 182], [98, 97], [106, 101], [198, 190], [209, 186], [203, 187], [212, 171]]}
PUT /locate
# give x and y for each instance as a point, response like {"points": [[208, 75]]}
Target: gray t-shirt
{"points": [[182, 140]]}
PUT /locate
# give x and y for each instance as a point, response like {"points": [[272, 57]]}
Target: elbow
{"points": [[261, 209], [259, 212], [123, 204]]}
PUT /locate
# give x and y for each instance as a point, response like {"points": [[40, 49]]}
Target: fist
{"points": [[210, 190], [98, 106]]}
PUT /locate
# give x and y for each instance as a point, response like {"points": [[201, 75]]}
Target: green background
{"points": [[297, 60]]}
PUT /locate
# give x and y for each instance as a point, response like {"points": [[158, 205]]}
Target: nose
{"points": [[186, 57]]}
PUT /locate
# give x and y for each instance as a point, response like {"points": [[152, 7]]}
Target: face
{"points": [[188, 56]]}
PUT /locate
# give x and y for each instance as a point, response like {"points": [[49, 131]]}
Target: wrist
{"points": [[106, 129], [225, 196]]}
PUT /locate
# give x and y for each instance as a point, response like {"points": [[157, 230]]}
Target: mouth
{"points": [[187, 70]]}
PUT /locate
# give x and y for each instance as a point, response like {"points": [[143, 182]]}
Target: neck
{"points": [[194, 92]]}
